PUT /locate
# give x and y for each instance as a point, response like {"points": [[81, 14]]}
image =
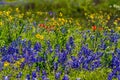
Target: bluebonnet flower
{"points": [[49, 47], [115, 61], [44, 72], [57, 75], [3, 50], [55, 64], [57, 48], [78, 79], [11, 50], [22, 65], [71, 41], [65, 77], [110, 76], [23, 42], [95, 65], [32, 59], [103, 46], [44, 77], [112, 31], [37, 69], [118, 52], [73, 58], [27, 77], [84, 36], [68, 47], [6, 78], [92, 37], [85, 66], [62, 57], [37, 47], [97, 55], [19, 75], [81, 59], [63, 30], [118, 76], [2, 3], [1, 65], [34, 23], [50, 13], [75, 64], [34, 75]]}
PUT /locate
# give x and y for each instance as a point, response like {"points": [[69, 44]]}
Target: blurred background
{"points": [[70, 8]]}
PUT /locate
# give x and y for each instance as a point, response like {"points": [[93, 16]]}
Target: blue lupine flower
{"points": [[118, 76], [62, 57], [44, 72], [34, 23], [22, 65], [19, 75], [71, 41], [78, 79], [55, 65], [84, 36], [103, 46], [34, 75], [11, 50], [49, 47], [37, 69], [112, 31], [75, 64], [85, 66], [50, 13], [92, 37], [81, 59], [6, 78], [110, 76], [63, 30], [37, 47], [65, 77], [57, 75], [44, 77], [28, 77], [57, 48], [68, 47]]}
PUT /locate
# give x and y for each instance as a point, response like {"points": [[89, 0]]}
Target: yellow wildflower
{"points": [[6, 64], [39, 36], [20, 15], [91, 16], [7, 13], [1, 13], [118, 28], [108, 17], [115, 22], [28, 13], [17, 63], [10, 18], [39, 13], [60, 14], [59, 19], [53, 19], [1, 23], [22, 59], [17, 10]]}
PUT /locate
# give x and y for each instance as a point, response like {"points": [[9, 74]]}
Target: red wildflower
{"points": [[94, 28], [41, 25]]}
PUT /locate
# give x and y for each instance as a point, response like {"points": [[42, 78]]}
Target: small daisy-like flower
{"points": [[6, 64], [39, 36]]}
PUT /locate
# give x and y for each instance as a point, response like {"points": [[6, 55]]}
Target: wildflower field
{"points": [[49, 44]]}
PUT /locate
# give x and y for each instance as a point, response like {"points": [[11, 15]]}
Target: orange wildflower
{"points": [[94, 28], [100, 29]]}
